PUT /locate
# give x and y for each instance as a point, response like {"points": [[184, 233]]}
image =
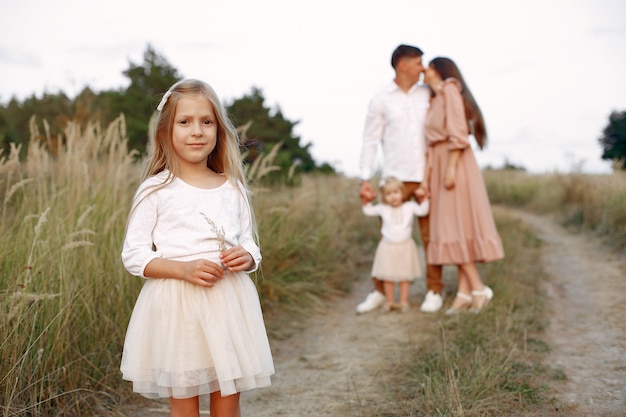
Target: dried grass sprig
{"points": [[219, 232], [15, 188]]}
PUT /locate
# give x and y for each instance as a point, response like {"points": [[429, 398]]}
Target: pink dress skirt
{"points": [[462, 229]]}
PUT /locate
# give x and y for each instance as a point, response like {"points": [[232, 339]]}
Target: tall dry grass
{"points": [[314, 246], [591, 202], [65, 296]]}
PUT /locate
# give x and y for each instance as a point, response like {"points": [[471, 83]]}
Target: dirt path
{"points": [[587, 332], [337, 366]]}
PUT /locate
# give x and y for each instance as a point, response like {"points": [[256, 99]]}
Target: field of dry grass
{"points": [[595, 203], [66, 299]]}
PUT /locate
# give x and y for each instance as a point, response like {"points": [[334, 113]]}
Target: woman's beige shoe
{"points": [[463, 305], [487, 294]]}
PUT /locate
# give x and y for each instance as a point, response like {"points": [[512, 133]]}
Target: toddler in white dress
{"points": [[397, 258]]}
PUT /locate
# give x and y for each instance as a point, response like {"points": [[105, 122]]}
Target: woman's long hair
{"points": [[446, 68]]}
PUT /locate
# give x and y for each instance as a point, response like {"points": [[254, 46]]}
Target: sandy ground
{"points": [[337, 365], [587, 332]]}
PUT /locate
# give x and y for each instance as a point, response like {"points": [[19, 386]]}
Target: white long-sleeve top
{"points": [[397, 222], [395, 120], [171, 223]]}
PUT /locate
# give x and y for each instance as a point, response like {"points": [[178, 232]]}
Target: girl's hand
{"points": [[202, 272], [449, 180], [237, 259]]}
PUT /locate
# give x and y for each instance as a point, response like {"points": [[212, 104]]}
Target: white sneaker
{"points": [[432, 302], [373, 300]]}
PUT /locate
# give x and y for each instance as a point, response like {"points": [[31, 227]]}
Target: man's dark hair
{"points": [[404, 51]]}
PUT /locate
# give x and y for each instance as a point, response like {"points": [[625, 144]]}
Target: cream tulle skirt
{"points": [[184, 340], [396, 261]]}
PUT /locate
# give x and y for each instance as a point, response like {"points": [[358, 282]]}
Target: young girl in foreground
{"points": [[396, 259], [197, 326]]}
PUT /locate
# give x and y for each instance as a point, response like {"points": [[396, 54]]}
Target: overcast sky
{"points": [[546, 73]]}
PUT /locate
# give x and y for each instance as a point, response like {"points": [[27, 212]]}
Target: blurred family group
{"points": [[424, 125]]}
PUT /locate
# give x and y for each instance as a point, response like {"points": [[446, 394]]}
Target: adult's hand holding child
{"points": [[367, 192]]}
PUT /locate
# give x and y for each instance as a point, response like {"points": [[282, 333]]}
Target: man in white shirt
{"points": [[395, 119]]}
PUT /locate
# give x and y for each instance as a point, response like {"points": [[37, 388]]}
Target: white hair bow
{"points": [[164, 100], [167, 94]]}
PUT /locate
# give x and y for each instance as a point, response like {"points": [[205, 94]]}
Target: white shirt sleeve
{"points": [[420, 209], [138, 248], [372, 135], [246, 239], [371, 210]]}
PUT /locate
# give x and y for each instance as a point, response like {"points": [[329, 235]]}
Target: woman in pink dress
{"points": [[462, 230]]}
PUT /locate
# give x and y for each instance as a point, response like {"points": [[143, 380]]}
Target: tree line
{"points": [[265, 127], [613, 140]]}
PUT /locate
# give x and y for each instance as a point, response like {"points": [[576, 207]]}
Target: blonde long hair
{"points": [[224, 159]]}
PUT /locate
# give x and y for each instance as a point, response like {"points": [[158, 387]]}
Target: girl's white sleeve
{"points": [[246, 238], [370, 209], [138, 248], [422, 209]]}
